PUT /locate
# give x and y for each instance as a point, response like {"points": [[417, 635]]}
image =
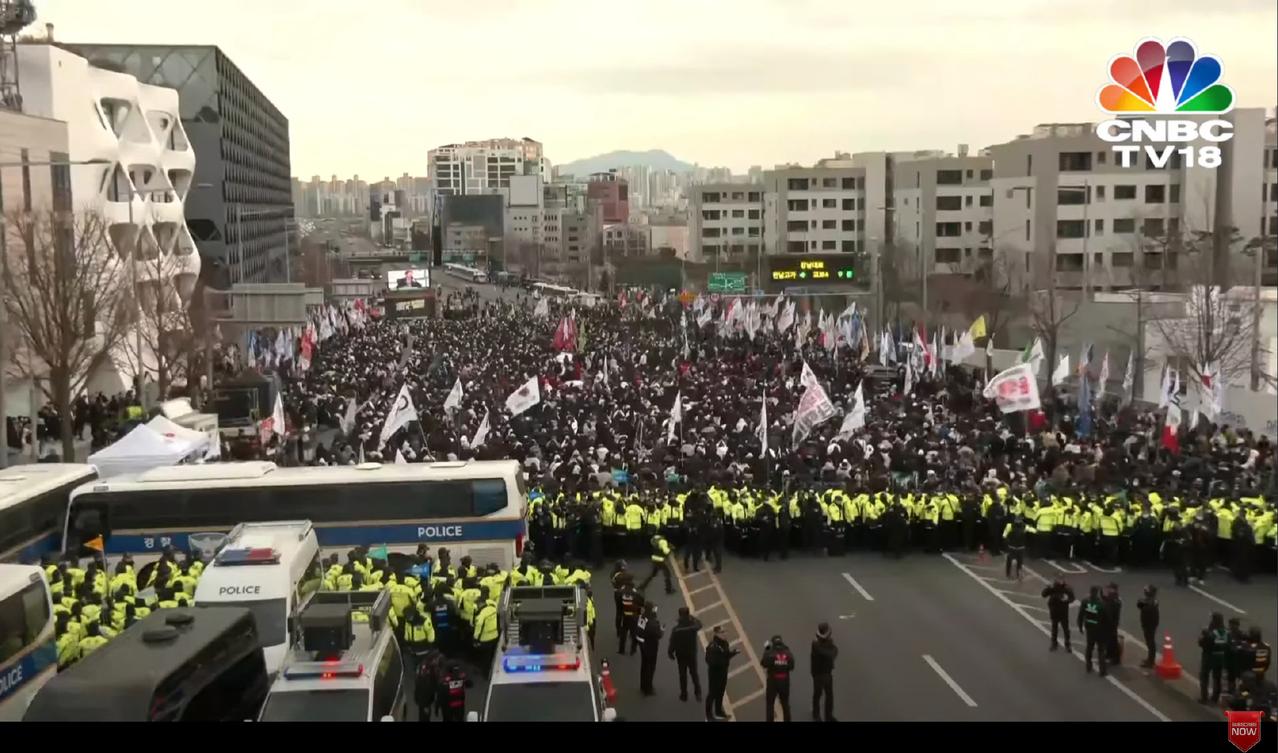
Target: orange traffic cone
{"points": [[1168, 668], [610, 691], [981, 556]]}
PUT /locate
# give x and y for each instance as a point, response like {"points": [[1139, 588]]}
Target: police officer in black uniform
{"points": [[1091, 623], [765, 525], [1147, 605], [631, 608], [778, 664], [1059, 596], [683, 649], [1214, 642], [649, 632]]}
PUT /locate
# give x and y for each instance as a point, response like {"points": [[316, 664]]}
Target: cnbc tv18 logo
{"points": [[1158, 83]]}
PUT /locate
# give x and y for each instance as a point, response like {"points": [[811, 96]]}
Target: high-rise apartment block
{"points": [[481, 167]]}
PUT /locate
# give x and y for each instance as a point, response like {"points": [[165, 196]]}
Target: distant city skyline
{"points": [[750, 82]]}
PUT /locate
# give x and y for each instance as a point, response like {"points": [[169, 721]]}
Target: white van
{"points": [[273, 569]]}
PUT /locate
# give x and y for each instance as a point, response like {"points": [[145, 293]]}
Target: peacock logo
{"points": [[1165, 79]]}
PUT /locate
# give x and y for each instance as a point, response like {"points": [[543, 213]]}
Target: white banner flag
{"points": [[814, 407], [808, 378], [543, 309], [524, 398], [1062, 371], [1015, 389], [762, 431], [963, 348], [1129, 378], [453, 401], [676, 415], [856, 416], [402, 413], [1104, 374], [481, 434], [399, 457], [348, 421], [275, 423]]}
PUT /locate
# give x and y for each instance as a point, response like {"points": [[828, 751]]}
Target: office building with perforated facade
{"points": [[240, 203]]}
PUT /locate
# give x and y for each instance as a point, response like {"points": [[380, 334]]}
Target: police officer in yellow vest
{"points": [[486, 635], [660, 563]]}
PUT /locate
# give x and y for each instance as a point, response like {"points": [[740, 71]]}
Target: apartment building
{"points": [[725, 219], [1061, 195], [814, 210], [480, 167], [941, 214]]}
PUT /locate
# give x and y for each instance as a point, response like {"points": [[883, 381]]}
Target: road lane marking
{"points": [[949, 681], [1076, 569], [708, 608], [1216, 599], [852, 581], [751, 657], [1100, 569], [696, 591], [710, 628], [746, 699], [1034, 574], [1047, 632], [738, 671]]}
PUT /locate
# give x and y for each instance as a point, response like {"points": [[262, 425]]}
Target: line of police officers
{"points": [[1189, 534]]}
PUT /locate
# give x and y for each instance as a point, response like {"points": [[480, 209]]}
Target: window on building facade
{"points": [[829, 203], [987, 200], [949, 177], [1075, 162], [828, 245], [949, 203], [797, 184], [1152, 227], [1124, 193], [829, 224], [1070, 228], [948, 229], [948, 255]]}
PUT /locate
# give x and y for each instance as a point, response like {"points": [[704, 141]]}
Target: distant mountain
{"points": [[657, 159]]}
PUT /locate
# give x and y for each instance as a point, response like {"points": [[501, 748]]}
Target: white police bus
{"points": [[465, 272], [473, 507], [28, 646], [33, 505]]}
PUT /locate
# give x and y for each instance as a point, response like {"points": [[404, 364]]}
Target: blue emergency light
{"points": [[541, 662], [254, 556]]}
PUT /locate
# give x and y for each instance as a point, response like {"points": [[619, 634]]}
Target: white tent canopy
{"points": [[143, 449], [166, 428]]}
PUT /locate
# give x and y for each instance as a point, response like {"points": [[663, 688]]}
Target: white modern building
{"points": [[725, 219], [1060, 193], [816, 210], [139, 167], [941, 215], [479, 167]]}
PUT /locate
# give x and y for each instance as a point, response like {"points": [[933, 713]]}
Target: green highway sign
{"points": [[727, 282]]}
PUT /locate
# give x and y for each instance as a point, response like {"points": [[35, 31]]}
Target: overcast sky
{"points": [[369, 87]]}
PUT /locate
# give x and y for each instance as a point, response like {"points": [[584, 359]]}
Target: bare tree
{"points": [[1216, 328], [1049, 311], [68, 301], [994, 298], [164, 335]]}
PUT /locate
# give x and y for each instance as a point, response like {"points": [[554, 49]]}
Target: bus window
{"points": [[490, 495], [88, 521], [22, 617], [311, 581], [234, 694]]}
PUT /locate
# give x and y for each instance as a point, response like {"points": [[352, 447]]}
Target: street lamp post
{"points": [[4, 314]]}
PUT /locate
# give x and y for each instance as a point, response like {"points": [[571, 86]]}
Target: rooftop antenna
{"points": [[15, 15]]}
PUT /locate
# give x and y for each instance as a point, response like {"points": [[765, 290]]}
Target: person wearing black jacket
{"points": [[718, 656], [1148, 607], [1090, 623], [649, 636], [1112, 613], [1059, 596], [778, 664], [427, 684], [683, 649], [824, 652], [1014, 537]]}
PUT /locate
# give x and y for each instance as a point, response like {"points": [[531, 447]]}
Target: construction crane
{"points": [[15, 15]]}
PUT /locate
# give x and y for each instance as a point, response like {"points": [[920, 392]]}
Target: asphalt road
{"points": [[949, 638]]}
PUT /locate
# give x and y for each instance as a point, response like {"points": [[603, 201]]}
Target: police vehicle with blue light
{"points": [[273, 570], [347, 666], [543, 669]]}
